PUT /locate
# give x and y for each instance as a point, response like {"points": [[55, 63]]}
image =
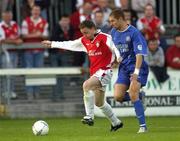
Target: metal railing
{"points": [[168, 11], [38, 72]]}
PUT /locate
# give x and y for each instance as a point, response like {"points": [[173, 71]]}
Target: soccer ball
{"points": [[40, 128]]}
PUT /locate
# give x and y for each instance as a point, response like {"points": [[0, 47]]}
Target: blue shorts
{"points": [[125, 71]]}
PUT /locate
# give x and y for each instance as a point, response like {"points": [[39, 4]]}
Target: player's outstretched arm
{"points": [[75, 45], [47, 43]]}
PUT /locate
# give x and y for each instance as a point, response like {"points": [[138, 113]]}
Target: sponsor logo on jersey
{"points": [[97, 44], [123, 48], [94, 53]]}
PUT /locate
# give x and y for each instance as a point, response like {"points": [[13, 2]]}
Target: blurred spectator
{"points": [[173, 54], [58, 57], [150, 25], [79, 3], [130, 16], [44, 4], [98, 20], [6, 5], [10, 34], [123, 4], [27, 6], [139, 5], [34, 29], [103, 5], [83, 13], [156, 60]]}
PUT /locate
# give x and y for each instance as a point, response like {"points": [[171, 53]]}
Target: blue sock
{"points": [[141, 94], [127, 97], [140, 113]]}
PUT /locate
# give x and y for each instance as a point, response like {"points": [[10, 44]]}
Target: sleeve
{"points": [[46, 33], [75, 45], [139, 25], [139, 44], [2, 34], [162, 28], [24, 29], [112, 47]]}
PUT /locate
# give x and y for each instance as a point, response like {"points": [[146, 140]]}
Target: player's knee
{"points": [[86, 86]]}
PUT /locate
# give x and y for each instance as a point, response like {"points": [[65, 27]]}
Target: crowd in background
{"points": [[35, 28]]}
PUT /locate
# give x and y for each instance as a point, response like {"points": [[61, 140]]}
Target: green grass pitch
{"points": [[71, 129]]}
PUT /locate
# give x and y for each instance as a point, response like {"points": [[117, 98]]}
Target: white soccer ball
{"points": [[40, 128]]}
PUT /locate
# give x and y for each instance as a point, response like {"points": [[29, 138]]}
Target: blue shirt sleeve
{"points": [[139, 43]]}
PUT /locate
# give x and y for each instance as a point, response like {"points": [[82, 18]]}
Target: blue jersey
{"points": [[129, 42]]}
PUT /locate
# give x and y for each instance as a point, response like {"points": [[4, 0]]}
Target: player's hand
{"points": [[18, 41], [134, 77], [47, 43]]}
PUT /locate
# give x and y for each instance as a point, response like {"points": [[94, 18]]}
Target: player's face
{"points": [[7, 17], [36, 11], [177, 41], [99, 18], [88, 33], [65, 21], [153, 45], [116, 23], [149, 11]]}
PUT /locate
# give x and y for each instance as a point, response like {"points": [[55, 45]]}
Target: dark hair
{"points": [[152, 40], [88, 24], [65, 16], [127, 10], [6, 12], [149, 4], [36, 6], [99, 11], [177, 35], [117, 13]]}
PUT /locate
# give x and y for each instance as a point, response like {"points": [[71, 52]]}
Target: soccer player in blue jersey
{"points": [[133, 70]]}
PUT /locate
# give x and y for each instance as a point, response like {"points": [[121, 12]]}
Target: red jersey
{"points": [[10, 31], [34, 27], [153, 27], [29, 26], [173, 53], [101, 50]]}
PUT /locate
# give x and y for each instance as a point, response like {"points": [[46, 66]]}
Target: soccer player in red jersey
{"points": [[101, 51]]}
